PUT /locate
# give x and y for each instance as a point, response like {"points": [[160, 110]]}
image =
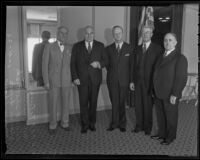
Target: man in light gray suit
{"points": [[57, 78]]}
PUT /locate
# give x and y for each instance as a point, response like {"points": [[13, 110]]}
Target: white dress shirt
{"points": [[147, 44], [120, 44], [62, 47], [168, 52], [87, 44]]}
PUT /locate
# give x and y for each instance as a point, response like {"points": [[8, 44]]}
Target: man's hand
{"points": [[172, 99], [77, 82], [132, 87], [96, 64]]}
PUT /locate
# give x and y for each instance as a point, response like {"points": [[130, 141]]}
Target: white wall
{"points": [[15, 104], [12, 58], [75, 18], [105, 19], [190, 36]]}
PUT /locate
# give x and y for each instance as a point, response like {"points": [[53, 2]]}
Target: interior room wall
{"points": [[190, 36], [15, 105]]}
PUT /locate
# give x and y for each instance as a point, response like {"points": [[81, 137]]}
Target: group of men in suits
{"points": [[155, 79]]}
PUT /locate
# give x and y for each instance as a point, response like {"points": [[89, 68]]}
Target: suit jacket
{"points": [[118, 64], [56, 65], [152, 54], [170, 75], [37, 60], [81, 60]]}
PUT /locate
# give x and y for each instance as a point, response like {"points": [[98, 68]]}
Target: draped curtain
{"points": [[177, 20]]}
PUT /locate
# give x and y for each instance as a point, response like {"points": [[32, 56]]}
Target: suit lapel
{"points": [[139, 54], [94, 48], [122, 49], [167, 59], [114, 51], [57, 48], [84, 52]]}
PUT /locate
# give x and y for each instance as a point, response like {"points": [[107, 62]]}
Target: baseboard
{"points": [[15, 119], [38, 119]]}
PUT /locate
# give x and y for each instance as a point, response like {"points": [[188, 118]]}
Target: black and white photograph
{"points": [[100, 80]]}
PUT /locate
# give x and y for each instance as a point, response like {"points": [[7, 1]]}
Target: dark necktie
{"points": [[144, 48], [118, 48], [165, 54], [89, 48]]}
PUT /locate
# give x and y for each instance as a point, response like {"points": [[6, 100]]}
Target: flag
{"points": [[147, 19]]}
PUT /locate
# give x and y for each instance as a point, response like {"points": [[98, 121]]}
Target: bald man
{"points": [[169, 79], [57, 79], [86, 69]]}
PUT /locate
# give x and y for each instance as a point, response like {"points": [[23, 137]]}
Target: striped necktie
{"points": [[144, 48], [89, 48], [118, 48]]}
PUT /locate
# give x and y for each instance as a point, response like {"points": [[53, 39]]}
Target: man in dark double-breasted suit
{"points": [[86, 70], [118, 54], [142, 66], [170, 77]]}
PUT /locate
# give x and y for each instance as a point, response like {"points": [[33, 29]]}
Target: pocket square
{"points": [[127, 54]]}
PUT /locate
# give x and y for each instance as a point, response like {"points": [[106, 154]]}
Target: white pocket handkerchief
{"points": [[127, 54]]}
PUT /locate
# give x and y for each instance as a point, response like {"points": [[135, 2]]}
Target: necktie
{"points": [[165, 54], [118, 48], [89, 48], [144, 48]]}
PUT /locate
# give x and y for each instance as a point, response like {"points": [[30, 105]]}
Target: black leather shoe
{"points": [[65, 128], [122, 129], [110, 129], [147, 133], [92, 128], [136, 130], [157, 137], [52, 131], [83, 130], [164, 142]]}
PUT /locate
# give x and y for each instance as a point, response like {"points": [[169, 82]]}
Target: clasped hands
{"points": [[95, 64]]}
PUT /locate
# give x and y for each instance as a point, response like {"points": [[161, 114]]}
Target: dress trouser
{"points": [[167, 118], [143, 107], [62, 94], [88, 95], [118, 96]]}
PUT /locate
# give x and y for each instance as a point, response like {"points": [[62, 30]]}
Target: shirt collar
{"points": [[147, 44], [168, 52], [59, 43], [120, 44], [86, 43]]}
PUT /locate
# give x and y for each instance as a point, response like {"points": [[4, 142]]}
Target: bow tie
{"points": [[61, 44]]}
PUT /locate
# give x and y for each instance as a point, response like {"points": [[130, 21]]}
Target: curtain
{"points": [[134, 22], [177, 20], [135, 12]]}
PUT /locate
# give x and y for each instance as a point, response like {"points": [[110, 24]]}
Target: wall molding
{"points": [[14, 87], [38, 119], [15, 119]]}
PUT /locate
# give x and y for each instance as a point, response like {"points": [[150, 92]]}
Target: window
{"points": [[31, 41]]}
